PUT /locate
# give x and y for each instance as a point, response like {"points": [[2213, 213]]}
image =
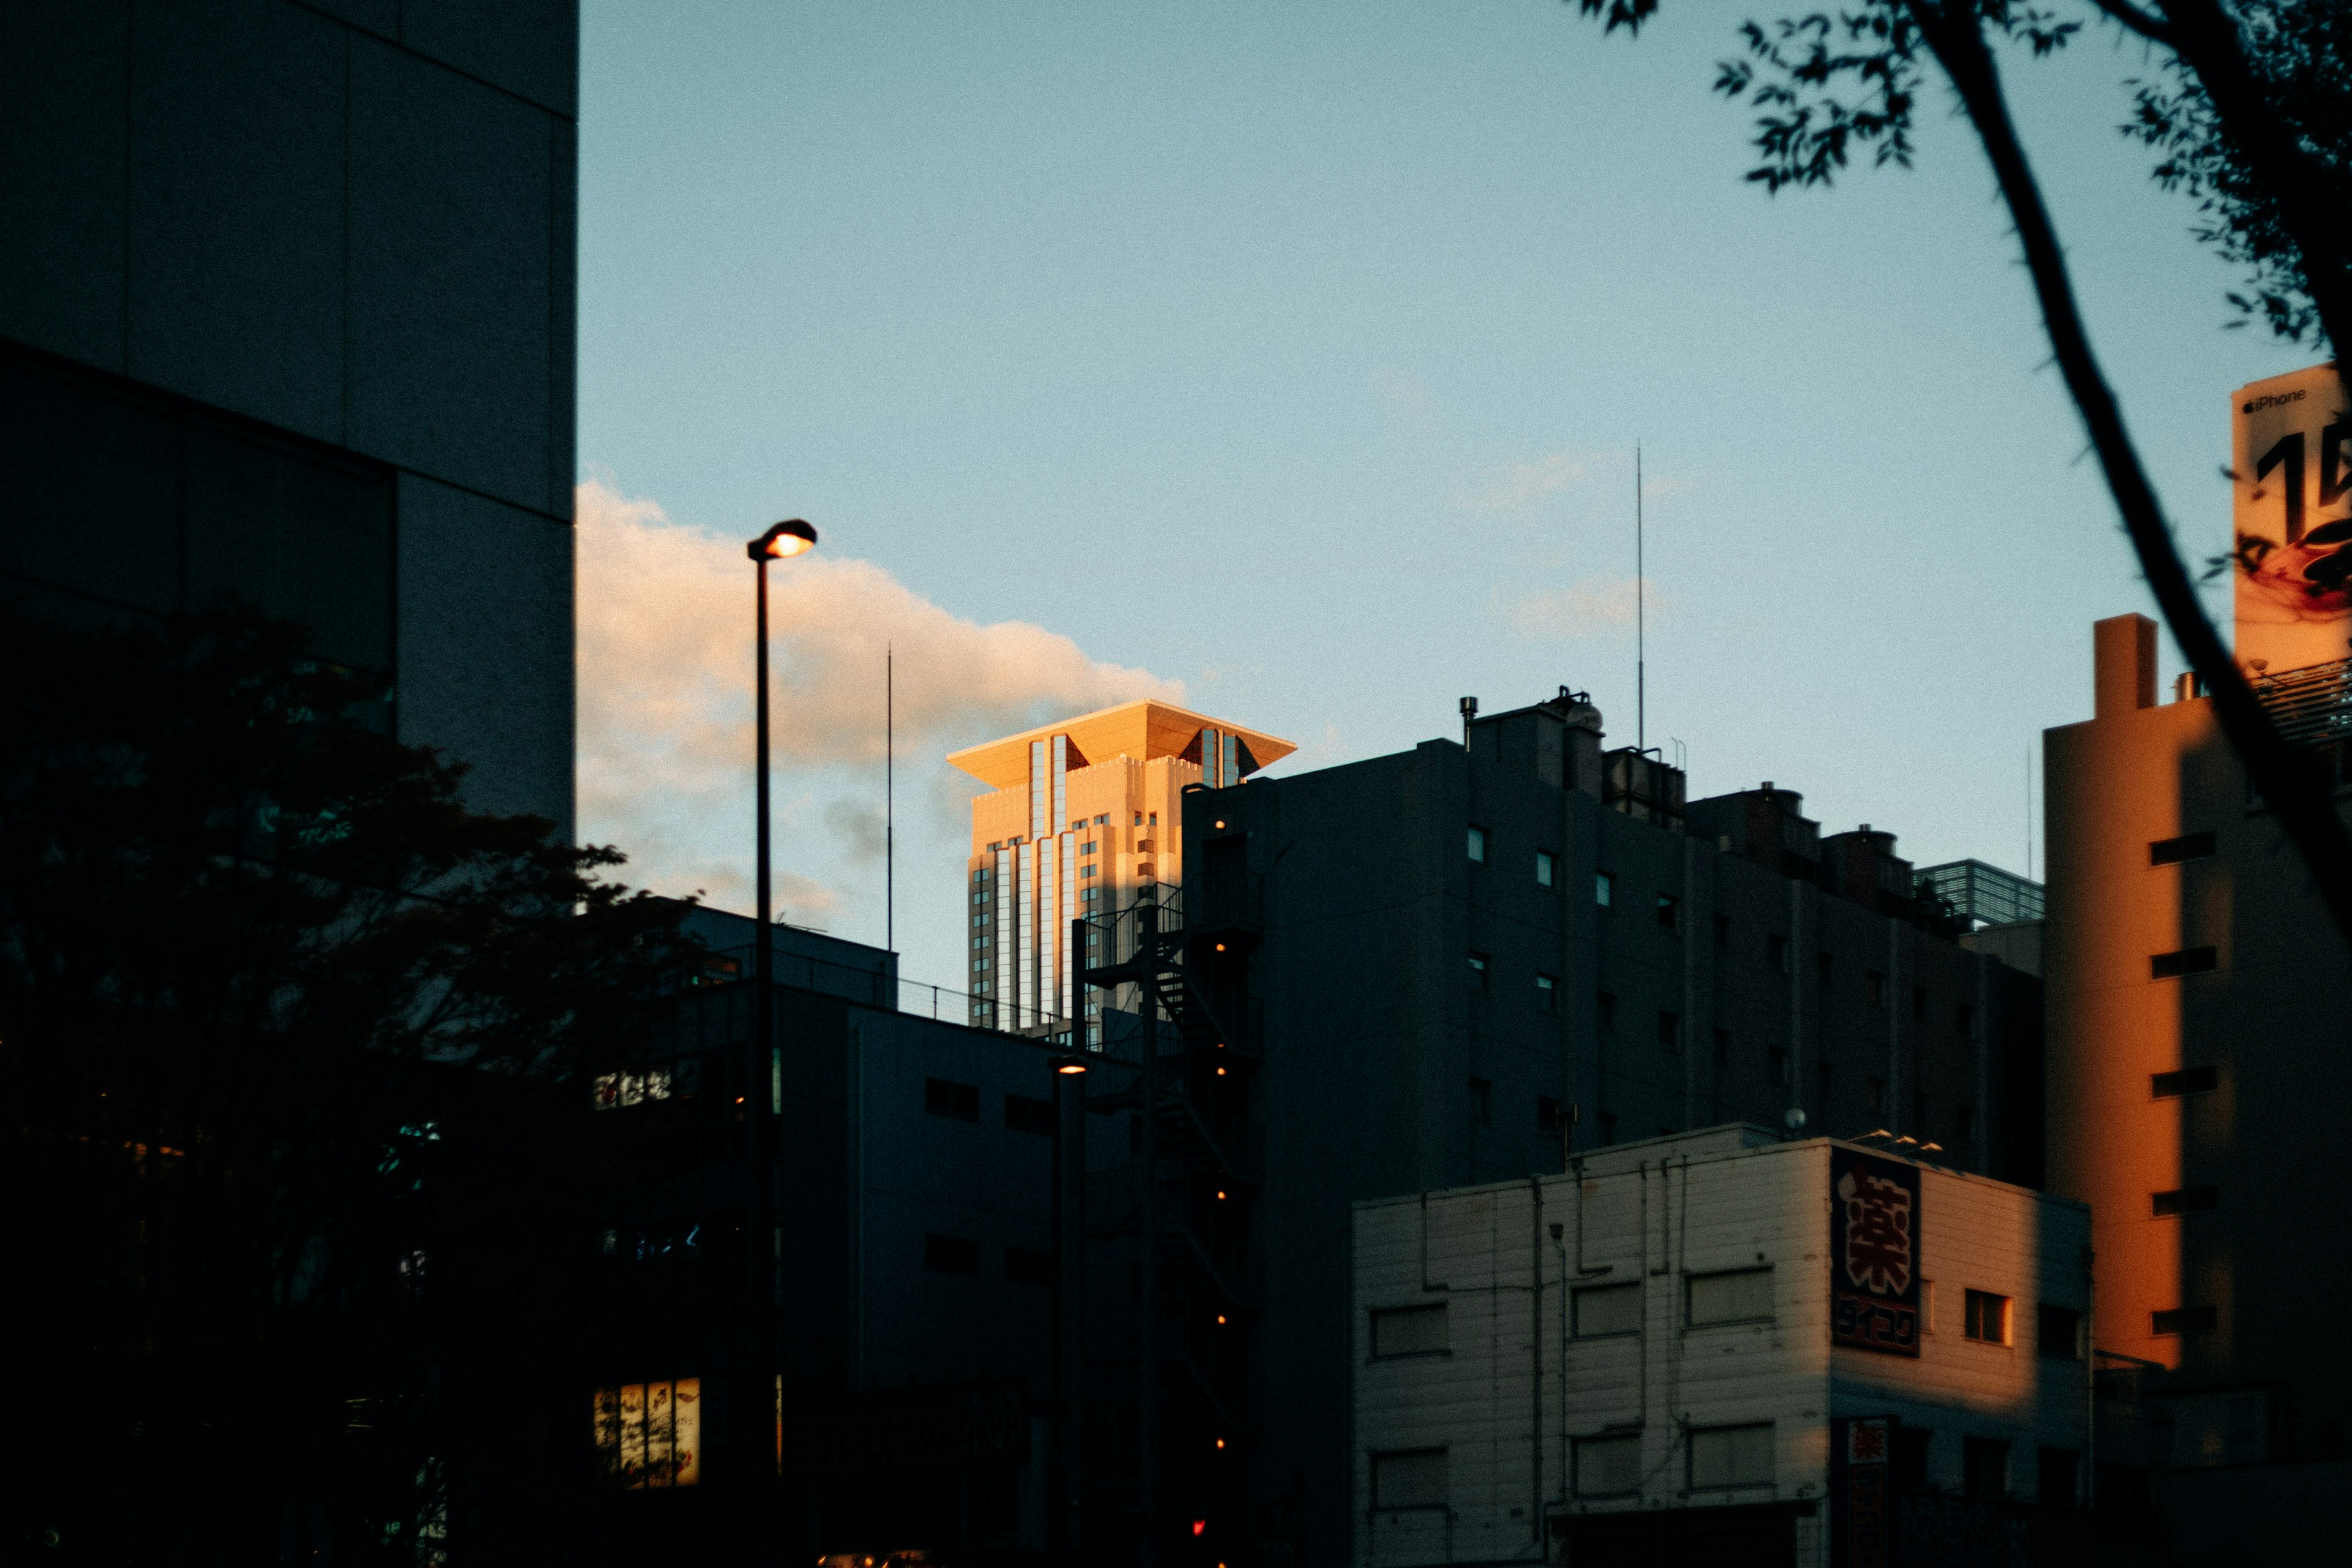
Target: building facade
{"points": [[1721, 1347], [2197, 1001], [1460, 965], [1071, 827], [286, 320]]}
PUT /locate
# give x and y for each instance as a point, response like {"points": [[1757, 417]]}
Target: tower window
{"points": [[1547, 867], [1478, 845]]}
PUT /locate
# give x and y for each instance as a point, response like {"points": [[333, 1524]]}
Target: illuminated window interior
{"points": [[650, 1434]]}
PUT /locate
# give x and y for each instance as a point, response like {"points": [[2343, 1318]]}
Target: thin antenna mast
{"points": [[2029, 814], [1640, 621], [890, 799]]}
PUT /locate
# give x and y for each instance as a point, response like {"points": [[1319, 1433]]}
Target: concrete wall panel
{"points": [[63, 76], [451, 303], [485, 644], [235, 292]]}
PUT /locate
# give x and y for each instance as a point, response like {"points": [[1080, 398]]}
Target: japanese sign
{"points": [[2291, 513], [1874, 1253], [1866, 1537]]}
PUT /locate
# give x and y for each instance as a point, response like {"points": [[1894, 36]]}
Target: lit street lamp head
{"points": [[790, 537]]}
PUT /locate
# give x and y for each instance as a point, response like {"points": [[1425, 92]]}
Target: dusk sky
{"points": [[1287, 360]]}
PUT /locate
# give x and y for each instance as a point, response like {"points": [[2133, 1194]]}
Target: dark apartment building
{"points": [[1467, 963], [2198, 992], [912, 1274], [287, 318]]}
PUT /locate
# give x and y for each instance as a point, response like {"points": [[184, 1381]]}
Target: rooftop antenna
{"points": [[2029, 814], [890, 799], [1641, 619]]}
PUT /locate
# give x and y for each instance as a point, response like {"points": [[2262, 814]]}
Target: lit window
{"points": [[1605, 888], [1670, 911], [1608, 1466], [1742, 1296], [1547, 867], [1478, 970], [1731, 1457], [1986, 1317], [618, 1088], [1478, 845], [1547, 993], [650, 1434]]}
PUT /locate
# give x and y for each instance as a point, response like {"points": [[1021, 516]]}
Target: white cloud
{"points": [[1596, 607], [665, 710]]}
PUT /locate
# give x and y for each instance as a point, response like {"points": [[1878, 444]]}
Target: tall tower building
{"points": [[1081, 814]]}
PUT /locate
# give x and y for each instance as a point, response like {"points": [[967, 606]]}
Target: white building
{"points": [[1635, 1361]]}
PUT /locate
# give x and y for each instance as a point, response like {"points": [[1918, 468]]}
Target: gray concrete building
{"points": [[1464, 962], [287, 316]]}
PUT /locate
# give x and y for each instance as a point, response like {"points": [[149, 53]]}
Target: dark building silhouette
{"points": [[287, 316], [1463, 962]]}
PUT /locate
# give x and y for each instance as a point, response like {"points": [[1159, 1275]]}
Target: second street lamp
{"points": [[765, 1283]]}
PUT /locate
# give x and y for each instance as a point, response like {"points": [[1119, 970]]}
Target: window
{"points": [[1984, 1467], [1985, 1316], [1965, 1118], [2186, 1080], [1023, 1114], [650, 1434], [1088, 869], [1090, 846], [1731, 1457], [1723, 1047], [2184, 1200], [1670, 1031], [1605, 888], [2173, 851], [1151, 819], [1028, 1265], [1482, 1102], [1411, 1479], [950, 1255], [1874, 1091], [1548, 1115], [1547, 867], [961, 1100], [1602, 1310], [1779, 1064], [2054, 1470], [1742, 1296], [1608, 1466], [1670, 911], [1547, 993], [1723, 930], [1103, 820], [1874, 988], [2057, 1333], [2184, 1320], [1409, 1331], [1776, 954], [1912, 1447], [1138, 819], [1608, 1127], [2188, 961], [618, 1088], [1478, 845], [1478, 971]]}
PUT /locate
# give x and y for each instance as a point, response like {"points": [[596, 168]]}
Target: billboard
{"points": [[1874, 1253], [2291, 514]]}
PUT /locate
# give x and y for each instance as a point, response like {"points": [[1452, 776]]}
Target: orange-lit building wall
{"points": [[2200, 1000], [1086, 813]]}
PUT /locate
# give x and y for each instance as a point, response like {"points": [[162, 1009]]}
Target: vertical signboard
{"points": [[1874, 1253], [1862, 1512], [2291, 512]]}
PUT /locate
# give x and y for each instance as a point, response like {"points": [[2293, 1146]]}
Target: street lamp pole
{"points": [[762, 1245]]}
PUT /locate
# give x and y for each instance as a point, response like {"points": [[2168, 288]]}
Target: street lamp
{"points": [[787, 539]]}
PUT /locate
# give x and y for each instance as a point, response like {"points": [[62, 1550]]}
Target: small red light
{"points": [[1200, 1526]]}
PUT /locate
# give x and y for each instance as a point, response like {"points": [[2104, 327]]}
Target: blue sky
{"points": [[1296, 353]]}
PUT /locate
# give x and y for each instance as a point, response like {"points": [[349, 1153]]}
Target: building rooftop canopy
{"points": [[1141, 729]]}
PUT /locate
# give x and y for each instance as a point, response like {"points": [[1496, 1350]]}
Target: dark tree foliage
{"points": [[290, 1047], [2300, 52], [2253, 126]]}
